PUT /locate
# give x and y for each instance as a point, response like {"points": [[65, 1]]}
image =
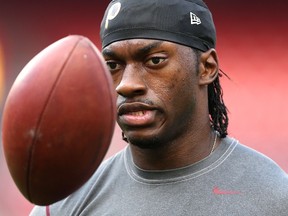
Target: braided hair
{"points": [[217, 110]]}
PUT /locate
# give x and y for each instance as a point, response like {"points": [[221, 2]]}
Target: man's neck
{"points": [[179, 153]]}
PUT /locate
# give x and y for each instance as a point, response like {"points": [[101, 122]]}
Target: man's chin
{"points": [[145, 143]]}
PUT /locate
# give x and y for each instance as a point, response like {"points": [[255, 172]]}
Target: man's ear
{"points": [[208, 70]]}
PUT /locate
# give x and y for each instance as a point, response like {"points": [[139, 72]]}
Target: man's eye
{"points": [[155, 61], [112, 65]]}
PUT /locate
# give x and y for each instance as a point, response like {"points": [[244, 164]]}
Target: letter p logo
{"points": [[112, 13]]}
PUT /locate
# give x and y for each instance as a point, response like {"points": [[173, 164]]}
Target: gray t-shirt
{"points": [[234, 180]]}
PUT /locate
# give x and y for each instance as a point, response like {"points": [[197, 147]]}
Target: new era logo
{"points": [[194, 19]]}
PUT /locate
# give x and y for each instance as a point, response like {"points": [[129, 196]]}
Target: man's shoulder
{"points": [[114, 160], [261, 183], [256, 159], [107, 172], [260, 168]]}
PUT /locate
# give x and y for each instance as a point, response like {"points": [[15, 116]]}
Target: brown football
{"points": [[58, 120]]}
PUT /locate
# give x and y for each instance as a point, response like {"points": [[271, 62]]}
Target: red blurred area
{"points": [[252, 43]]}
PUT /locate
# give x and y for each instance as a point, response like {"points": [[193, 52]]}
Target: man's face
{"points": [[156, 84]]}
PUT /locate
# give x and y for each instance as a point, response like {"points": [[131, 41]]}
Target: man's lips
{"points": [[136, 114]]}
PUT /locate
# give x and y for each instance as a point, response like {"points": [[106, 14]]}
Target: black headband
{"points": [[187, 22]]}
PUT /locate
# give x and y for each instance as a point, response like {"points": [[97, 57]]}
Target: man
{"points": [[179, 160]]}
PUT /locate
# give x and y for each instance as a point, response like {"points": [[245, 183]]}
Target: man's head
{"points": [[162, 83]]}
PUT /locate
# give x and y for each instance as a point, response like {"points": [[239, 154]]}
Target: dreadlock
{"points": [[217, 109]]}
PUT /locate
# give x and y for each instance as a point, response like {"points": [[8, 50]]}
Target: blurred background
{"points": [[252, 48]]}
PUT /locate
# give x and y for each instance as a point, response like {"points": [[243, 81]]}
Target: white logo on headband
{"points": [[194, 19], [112, 13]]}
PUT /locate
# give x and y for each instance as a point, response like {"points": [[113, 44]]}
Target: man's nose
{"points": [[132, 82]]}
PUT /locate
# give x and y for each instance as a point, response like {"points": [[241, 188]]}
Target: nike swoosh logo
{"points": [[218, 191]]}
